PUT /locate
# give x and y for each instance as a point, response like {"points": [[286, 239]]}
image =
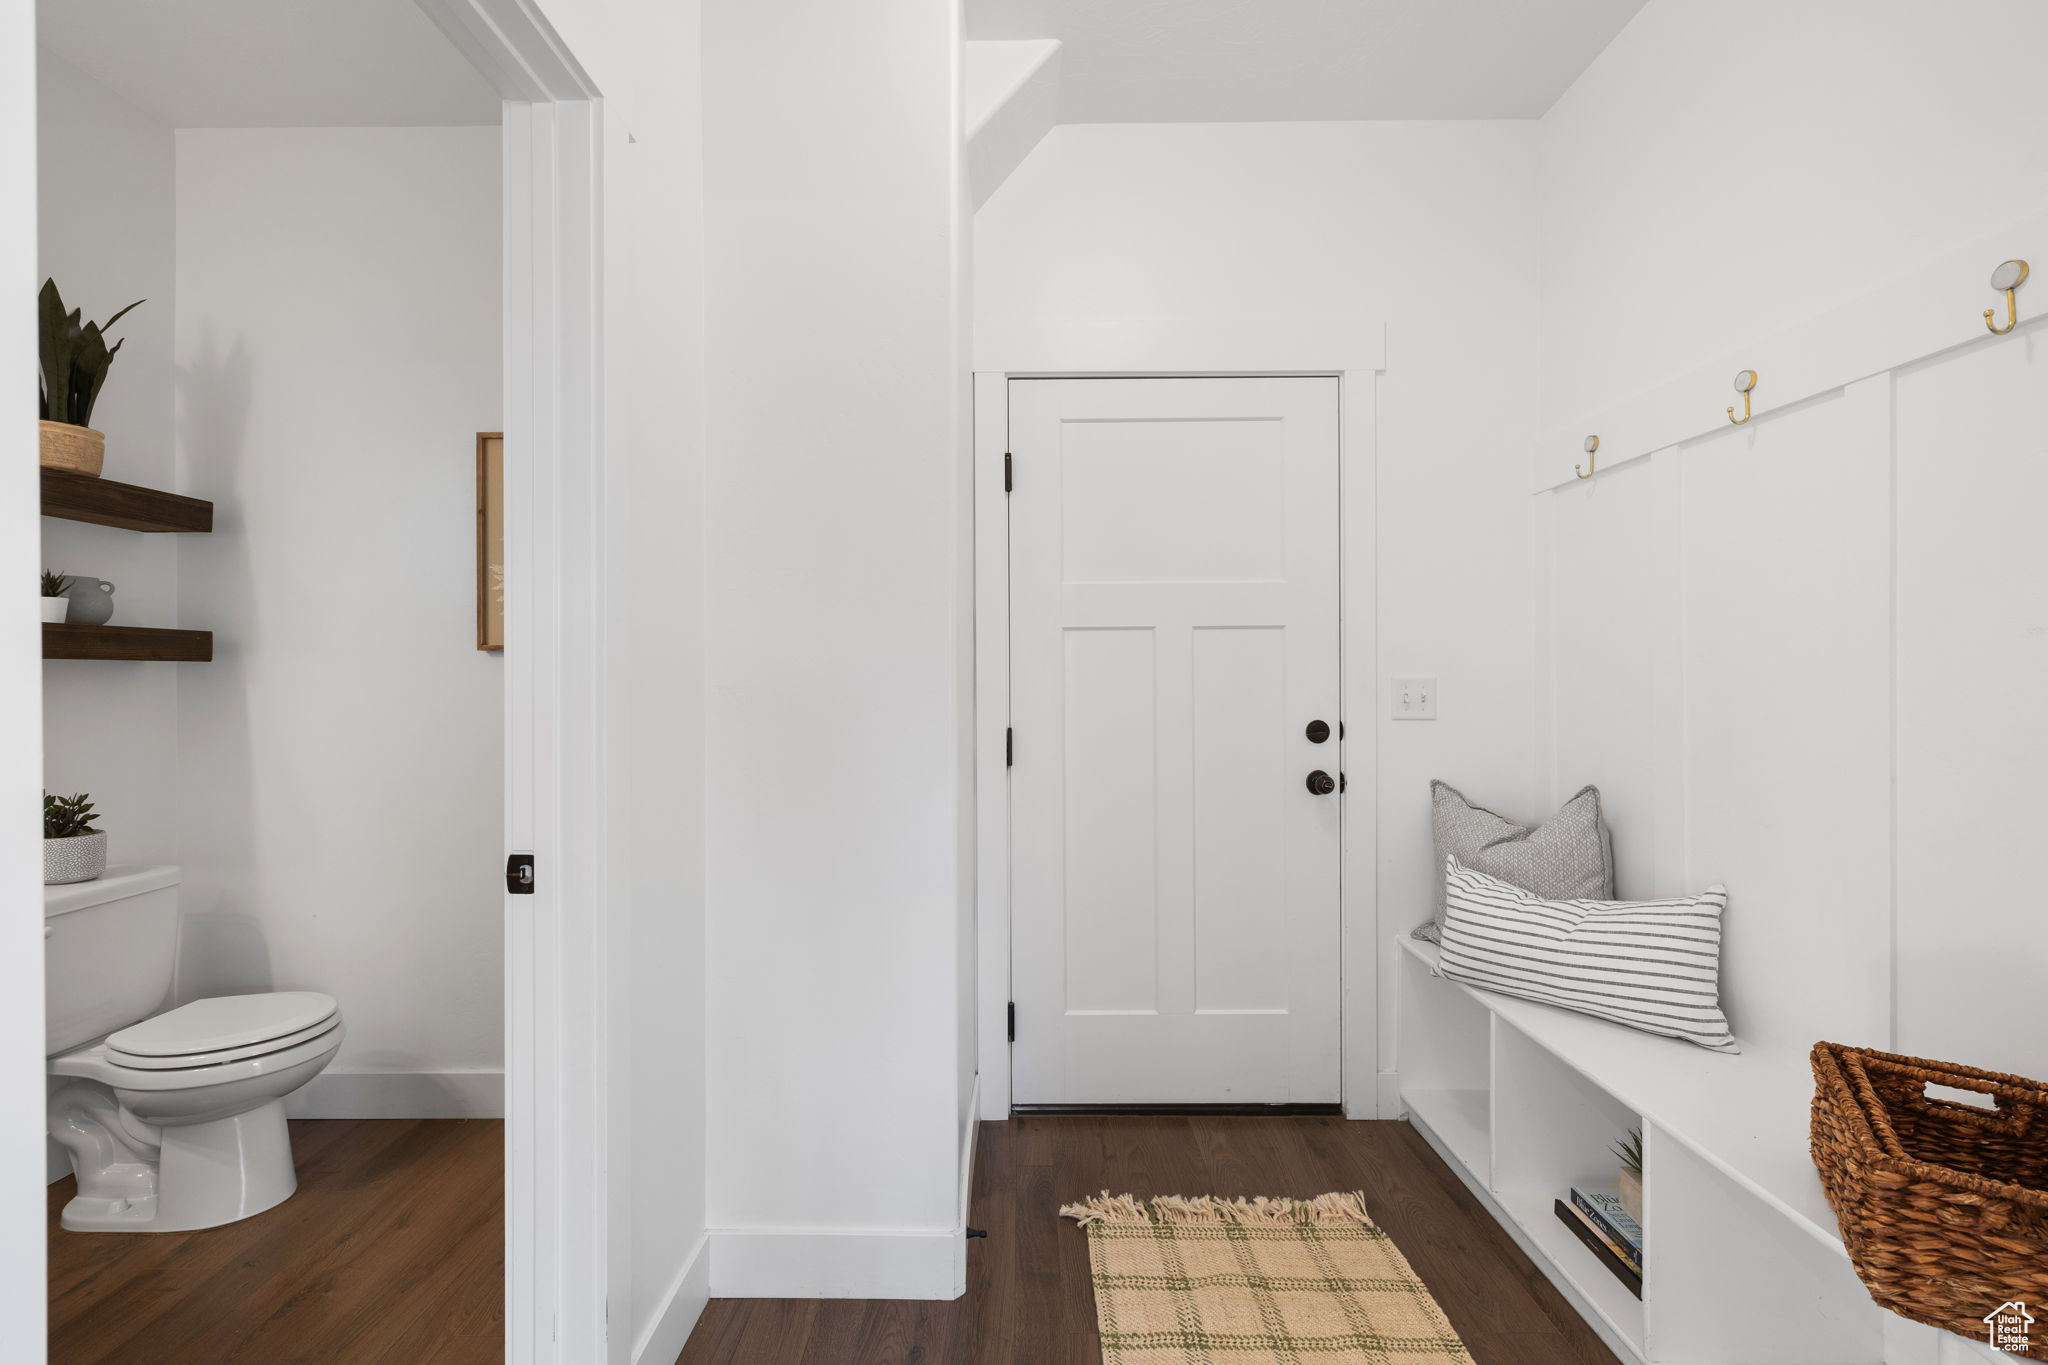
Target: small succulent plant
{"points": [[1630, 1150], [75, 358], [53, 584], [67, 817]]}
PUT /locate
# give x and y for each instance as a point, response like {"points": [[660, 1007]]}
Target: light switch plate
{"points": [[1415, 699]]}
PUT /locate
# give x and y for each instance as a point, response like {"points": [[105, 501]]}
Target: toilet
{"points": [[174, 1120]]}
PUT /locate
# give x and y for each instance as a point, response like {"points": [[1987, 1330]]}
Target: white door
{"points": [[1173, 643]]}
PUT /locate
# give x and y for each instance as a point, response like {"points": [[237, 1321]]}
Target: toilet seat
{"points": [[248, 1058], [191, 1060], [218, 1024]]}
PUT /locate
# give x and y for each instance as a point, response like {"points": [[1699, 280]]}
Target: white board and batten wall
{"points": [[1802, 658], [1802, 655]]}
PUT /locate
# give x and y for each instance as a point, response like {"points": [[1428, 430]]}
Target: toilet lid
{"points": [[226, 1021]]}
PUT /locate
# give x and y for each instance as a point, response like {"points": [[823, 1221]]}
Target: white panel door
{"points": [[1173, 635]]}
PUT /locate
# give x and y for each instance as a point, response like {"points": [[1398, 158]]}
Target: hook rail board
{"points": [[1923, 312]]}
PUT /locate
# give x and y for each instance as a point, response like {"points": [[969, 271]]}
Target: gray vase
{"points": [[92, 600], [77, 859]]}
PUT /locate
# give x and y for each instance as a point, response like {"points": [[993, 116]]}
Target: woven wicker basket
{"points": [[1943, 1206]]}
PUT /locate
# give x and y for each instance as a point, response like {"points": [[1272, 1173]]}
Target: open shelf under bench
{"points": [[145, 644], [130, 507], [1743, 1264]]}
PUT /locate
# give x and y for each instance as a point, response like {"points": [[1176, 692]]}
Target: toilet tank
{"points": [[110, 947]]}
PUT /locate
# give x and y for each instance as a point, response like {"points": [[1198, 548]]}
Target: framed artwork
{"points": [[490, 540]]}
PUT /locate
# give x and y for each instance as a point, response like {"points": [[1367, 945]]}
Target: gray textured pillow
{"points": [[1568, 857]]}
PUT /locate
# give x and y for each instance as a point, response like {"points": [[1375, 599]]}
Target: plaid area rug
{"points": [[1246, 1282]]}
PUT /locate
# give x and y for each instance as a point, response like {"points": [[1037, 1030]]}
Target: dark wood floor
{"points": [[1028, 1298], [392, 1250]]}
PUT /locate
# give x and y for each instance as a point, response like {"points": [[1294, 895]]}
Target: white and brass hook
{"points": [[2009, 276], [1592, 449], [1744, 382]]}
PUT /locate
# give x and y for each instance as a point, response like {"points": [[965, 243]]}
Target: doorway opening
{"points": [[1132, 956], [367, 237], [1174, 683]]}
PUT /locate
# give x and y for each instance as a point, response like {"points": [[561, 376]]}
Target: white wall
{"points": [[1423, 225], [654, 385], [107, 235], [1806, 656], [340, 769], [1722, 170], [837, 625], [23, 1292]]}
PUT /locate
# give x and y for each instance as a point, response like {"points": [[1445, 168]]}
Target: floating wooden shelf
{"points": [[103, 502], [147, 644]]}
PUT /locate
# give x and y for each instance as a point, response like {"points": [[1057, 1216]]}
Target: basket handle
{"points": [[2012, 1113]]}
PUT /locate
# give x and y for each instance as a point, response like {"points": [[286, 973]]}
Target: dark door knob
{"points": [[1321, 783], [1318, 731]]}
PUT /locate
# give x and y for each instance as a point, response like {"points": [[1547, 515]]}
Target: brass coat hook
{"points": [[1744, 382], [1592, 448], [2009, 276]]}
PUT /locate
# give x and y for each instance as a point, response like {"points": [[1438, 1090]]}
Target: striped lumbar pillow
{"points": [[1652, 965]]}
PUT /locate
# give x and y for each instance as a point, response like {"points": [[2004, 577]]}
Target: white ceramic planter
{"points": [[55, 609], [77, 859]]}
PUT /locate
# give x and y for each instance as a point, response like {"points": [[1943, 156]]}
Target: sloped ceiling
{"points": [[270, 63], [1192, 61]]}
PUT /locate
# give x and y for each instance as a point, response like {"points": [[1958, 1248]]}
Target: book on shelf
{"points": [[1631, 1259], [1604, 1209], [1631, 1276]]}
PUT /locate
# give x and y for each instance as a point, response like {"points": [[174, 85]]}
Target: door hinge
{"points": [[519, 874], [1009, 747], [1013, 1021], [1009, 474]]}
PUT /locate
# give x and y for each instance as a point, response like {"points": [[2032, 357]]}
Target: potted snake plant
{"points": [[75, 358], [1628, 1178], [73, 851]]}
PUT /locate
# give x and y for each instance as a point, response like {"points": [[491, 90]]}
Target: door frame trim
{"points": [[1352, 351], [557, 1120]]}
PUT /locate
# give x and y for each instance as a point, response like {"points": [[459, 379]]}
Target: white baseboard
{"points": [[400, 1095], [662, 1342], [834, 1263], [851, 1263], [1390, 1094]]}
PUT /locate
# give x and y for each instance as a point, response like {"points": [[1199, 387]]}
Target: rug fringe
{"points": [[1325, 1210]]}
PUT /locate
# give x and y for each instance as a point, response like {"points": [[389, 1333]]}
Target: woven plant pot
{"points": [[77, 859], [1943, 1206], [81, 450]]}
